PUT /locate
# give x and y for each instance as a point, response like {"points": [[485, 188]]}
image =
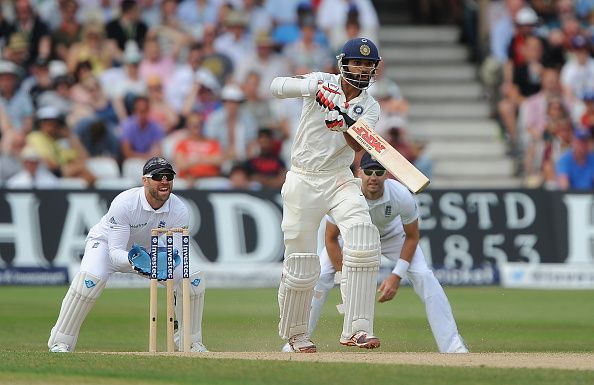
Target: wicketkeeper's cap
{"points": [[369, 162], [156, 165]]}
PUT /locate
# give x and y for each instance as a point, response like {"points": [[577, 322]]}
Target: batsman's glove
{"points": [[141, 261], [335, 121], [328, 95]]}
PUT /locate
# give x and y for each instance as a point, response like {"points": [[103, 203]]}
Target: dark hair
{"points": [[127, 5], [265, 131]]}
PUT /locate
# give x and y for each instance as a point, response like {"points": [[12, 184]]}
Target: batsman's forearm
{"points": [[287, 87]]}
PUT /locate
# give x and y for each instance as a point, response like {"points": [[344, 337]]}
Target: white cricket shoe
{"points": [[198, 347], [60, 347], [361, 339], [299, 343]]}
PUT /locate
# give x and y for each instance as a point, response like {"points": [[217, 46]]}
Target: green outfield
{"points": [[490, 319]]}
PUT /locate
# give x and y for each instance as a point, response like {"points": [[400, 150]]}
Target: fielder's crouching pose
{"points": [[118, 243], [394, 211], [320, 182]]}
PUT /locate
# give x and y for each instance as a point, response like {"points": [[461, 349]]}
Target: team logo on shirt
{"points": [[112, 221], [161, 224], [388, 211], [358, 110]]}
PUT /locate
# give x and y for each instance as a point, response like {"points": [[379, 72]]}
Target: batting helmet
{"points": [[361, 49]]}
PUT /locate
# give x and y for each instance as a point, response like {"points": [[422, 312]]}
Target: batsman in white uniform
{"points": [[118, 243], [394, 211], [320, 182]]}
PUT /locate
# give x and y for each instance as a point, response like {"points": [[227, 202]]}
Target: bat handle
{"points": [[349, 121]]}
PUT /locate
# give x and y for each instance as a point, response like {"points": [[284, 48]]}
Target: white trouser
{"points": [[427, 287], [306, 199], [97, 263]]}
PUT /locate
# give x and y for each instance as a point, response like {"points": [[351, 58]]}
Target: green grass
{"points": [[490, 319]]}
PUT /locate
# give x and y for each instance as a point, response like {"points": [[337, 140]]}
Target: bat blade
{"points": [[388, 156]]}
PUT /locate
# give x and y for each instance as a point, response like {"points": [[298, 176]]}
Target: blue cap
{"points": [[582, 134], [588, 96], [359, 48], [369, 162], [156, 165]]}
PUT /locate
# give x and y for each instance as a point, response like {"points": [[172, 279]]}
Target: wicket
{"points": [[186, 312]]}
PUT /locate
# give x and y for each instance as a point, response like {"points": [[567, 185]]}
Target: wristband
{"points": [[401, 267]]}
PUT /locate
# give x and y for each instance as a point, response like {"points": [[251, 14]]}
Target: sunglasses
{"points": [[160, 175], [370, 172]]}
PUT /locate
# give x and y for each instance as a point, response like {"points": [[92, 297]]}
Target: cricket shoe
{"points": [[198, 347], [361, 339], [300, 343], [60, 347]]}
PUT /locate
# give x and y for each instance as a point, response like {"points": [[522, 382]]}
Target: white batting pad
{"points": [[197, 288], [300, 274], [80, 298], [361, 260]]}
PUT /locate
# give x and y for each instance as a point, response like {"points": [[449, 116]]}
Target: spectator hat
{"points": [[232, 93], [57, 68], [29, 153], [526, 16], [18, 42], [369, 162], [48, 113], [579, 42], [207, 79], [236, 19], [156, 165], [8, 67], [264, 39]]}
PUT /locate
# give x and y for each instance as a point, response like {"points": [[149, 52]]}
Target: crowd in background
{"points": [[90, 89], [540, 76]]}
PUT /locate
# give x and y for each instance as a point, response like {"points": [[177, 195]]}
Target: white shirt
{"points": [[43, 179], [130, 219], [579, 78], [317, 148]]}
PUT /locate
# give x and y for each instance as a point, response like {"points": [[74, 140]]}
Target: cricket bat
{"points": [[385, 154]]}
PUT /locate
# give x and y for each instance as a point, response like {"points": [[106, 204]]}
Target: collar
{"points": [[147, 207], [381, 200]]}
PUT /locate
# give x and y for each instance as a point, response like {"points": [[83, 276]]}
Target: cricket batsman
{"points": [[394, 211], [118, 243], [320, 182]]}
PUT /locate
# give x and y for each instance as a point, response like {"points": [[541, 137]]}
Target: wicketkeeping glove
{"points": [[141, 261], [328, 95]]}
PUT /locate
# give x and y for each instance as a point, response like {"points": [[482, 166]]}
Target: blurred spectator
{"points": [[307, 51], [195, 155], [154, 63], [88, 100], [17, 50], [170, 32], [6, 29], [524, 82], [258, 18], [195, 14], [92, 48], [123, 84], [235, 43], [60, 150], [332, 16], [182, 78], [265, 63], [161, 112], [239, 179], [577, 75], [11, 147], [285, 12], [68, 31], [288, 31], [141, 136], [39, 81], [101, 10], [556, 141], [575, 168], [586, 121], [232, 126], [127, 26], [218, 63], [33, 29], [17, 103], [58, 95], [97, 138], [260, 108], [34, 173], [203, 95], [266, 167]]}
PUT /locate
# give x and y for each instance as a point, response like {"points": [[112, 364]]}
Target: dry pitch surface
{"points": [[568, 361]]}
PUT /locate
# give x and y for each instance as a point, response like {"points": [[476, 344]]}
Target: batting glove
{"points": [[328, 95], [335, 122]]}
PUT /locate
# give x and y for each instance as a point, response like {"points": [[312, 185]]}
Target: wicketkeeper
{"points": [[119, 243], [394, 211], [320, 182]]}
